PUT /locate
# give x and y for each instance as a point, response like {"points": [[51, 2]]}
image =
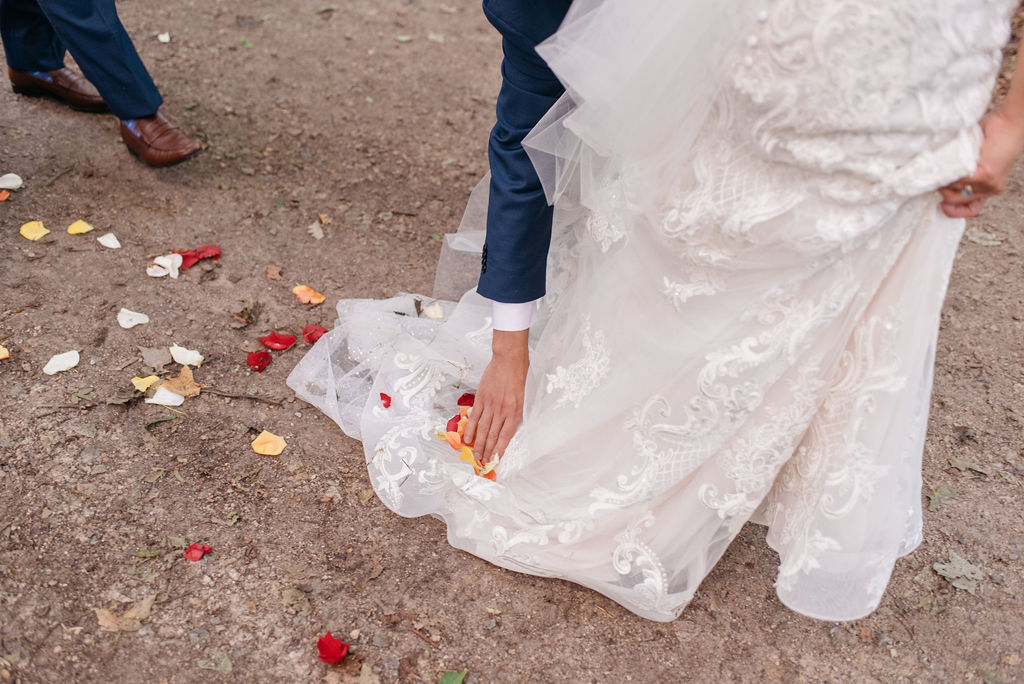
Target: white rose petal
{"points": [[109, 241], [10, 181], [434, 311], [165, 397], [169, 262], [61, 362], [129, 319], [164, 37], [186, 357]]}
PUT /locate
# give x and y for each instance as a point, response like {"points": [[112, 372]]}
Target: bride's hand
{"points": [[1004, 139], [498, 408]]}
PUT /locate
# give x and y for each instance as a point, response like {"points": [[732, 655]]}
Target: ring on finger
{"points": [[967, 191]]}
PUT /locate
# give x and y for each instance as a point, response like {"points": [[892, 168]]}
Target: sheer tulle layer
{"points": [[752, 341]]}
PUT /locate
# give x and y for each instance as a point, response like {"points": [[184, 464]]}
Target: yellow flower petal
{"points": [[4, 354], [143, 384], [33, 230], [268, 444], [307, 295], [79, 228], [467, 455]]}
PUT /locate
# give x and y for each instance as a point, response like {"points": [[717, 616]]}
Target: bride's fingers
{"points": [[480, 427], [963, 210]]}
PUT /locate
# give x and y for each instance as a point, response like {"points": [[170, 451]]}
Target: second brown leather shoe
{"points": [[60, 84], [157, 141]]}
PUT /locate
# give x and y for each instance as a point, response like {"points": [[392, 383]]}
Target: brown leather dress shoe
{"points": [[61, 84], [157, 141]]}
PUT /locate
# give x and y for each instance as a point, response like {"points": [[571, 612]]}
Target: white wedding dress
{"points": [[747, 334]]}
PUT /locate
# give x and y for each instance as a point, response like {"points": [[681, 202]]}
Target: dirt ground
{"points": [[374, 113]]}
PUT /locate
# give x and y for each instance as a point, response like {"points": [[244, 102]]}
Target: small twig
{"points": [[57, 407], [229, 395], [420, 635], [601, 608], [60, 173]]}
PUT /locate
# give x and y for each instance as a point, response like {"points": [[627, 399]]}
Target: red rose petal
{"points": [[258, 361], [453, 424], [208, 252], [197, 551], [331, 650], [312, 333], [385, 400], [277, 341], [466, 399], [188, 258]]}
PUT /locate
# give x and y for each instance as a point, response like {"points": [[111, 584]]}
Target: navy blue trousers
{"points": [[518, 215], [37, 33]]}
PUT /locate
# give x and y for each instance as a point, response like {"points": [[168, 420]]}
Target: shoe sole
{"points": [[29, 91], [165, 165]]}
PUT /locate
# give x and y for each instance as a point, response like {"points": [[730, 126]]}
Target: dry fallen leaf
{"points": [[307, 295], [268, 444], [79, 228], [143, 384], [33, 230], [273, 272], [129, 621], [184, 384]]}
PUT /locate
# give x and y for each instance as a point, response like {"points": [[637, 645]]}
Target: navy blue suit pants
{"points": [[36, 34], [518, 215]]}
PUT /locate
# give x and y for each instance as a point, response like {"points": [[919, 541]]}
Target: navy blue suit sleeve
{"points": [[518, 215]]}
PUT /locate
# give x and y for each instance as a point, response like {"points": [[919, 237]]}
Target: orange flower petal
{"points": [[268, 444], [454, 439], [307, 295]]}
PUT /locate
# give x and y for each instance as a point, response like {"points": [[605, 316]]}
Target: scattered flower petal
{"points": [[268, 444], [164, 37], [33, 230], [4, 194], [307, 295], [165, 397], [466, 399], [169, 262], [331, 649], [385, 400], [434, 311], [273, 272], [208, 252], [129, 319], [4, 353], [197, 551], [11, 181], [258, 360], [61, 362], [109, 240], [143, 384], [277, 341], [188, 259], [312, 333], [186, 357], [191, 257], [154, 271], [79, 228]]}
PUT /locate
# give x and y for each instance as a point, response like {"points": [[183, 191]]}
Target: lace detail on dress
{"points": [[581, 377], [633, 557]]}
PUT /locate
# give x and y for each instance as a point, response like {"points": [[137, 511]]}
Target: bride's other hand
{"points": [[1004, 140], [498, 408]]}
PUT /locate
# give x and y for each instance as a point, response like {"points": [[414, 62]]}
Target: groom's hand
{"points": [[498, 408]]}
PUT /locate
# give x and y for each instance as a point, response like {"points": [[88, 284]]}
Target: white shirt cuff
{"points": [[512, 317]]}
